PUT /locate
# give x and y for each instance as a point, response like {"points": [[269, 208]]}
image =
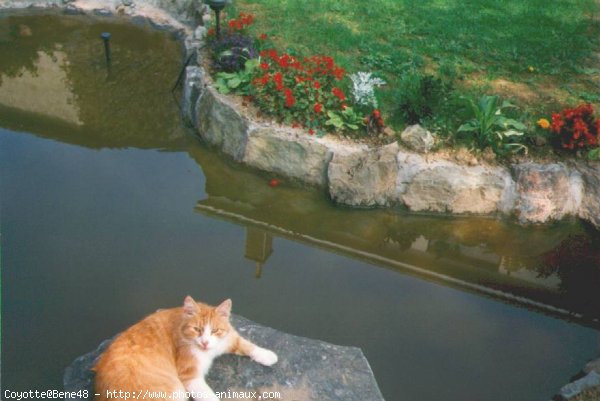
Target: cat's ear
{"points": [[224, 309], [190, 307]]}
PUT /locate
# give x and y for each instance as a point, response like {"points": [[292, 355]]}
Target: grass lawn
{"points": [[540, 54]]}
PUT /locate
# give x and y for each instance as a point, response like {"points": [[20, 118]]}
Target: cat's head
{"points": [[205, 325]]}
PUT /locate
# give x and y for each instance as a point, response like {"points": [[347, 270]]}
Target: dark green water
{"points": [[110, 210]]}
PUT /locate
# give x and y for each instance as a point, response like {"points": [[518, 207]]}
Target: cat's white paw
{"points": [[264, 356]]}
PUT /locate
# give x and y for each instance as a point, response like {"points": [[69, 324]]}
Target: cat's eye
{"points": [[197, 329], [217, 331]]}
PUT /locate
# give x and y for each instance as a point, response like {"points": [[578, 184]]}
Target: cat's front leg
{"points": [[261, 355], [200, 391]]}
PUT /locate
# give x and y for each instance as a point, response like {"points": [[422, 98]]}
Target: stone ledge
{"points": [[287, 153], [307, 369], [585, 388], [358, 175]]}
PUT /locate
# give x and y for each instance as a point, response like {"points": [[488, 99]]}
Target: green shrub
{"points": [[490, 127], [420, 96]]}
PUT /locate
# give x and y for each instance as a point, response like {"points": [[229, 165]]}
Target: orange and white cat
{"points": [[169, 353]]}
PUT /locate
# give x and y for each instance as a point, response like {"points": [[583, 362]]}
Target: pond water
{"points": [[111, 209]]}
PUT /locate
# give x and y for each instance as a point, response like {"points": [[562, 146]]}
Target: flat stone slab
{"points": [[307, 369]]}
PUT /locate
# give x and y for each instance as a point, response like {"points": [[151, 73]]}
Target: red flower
{"points": [[376, 113], [317, 85], [576, 127], [235, 25], [274, 182], [557, 123], [278, 78], [264, 66], [262, 80], [311, 131], [246, 19], [263, 36], [337, 92], [318, 107], [283, 61], [211, 32], [289, 98]]}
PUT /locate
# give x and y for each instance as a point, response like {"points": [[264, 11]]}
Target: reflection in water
{"points": [[54, 82], [259, 246], [490, 256], [46, 90], [575, 262]]}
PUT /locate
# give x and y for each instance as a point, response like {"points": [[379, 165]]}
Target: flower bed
{"points": [[317, 94], [301, 91]]}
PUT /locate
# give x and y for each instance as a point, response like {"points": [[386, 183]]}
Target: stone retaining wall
{"points": [[358, 175]]}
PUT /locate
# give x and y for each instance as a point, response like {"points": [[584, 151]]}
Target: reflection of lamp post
{"points": [[217, 6], [259, 246]]}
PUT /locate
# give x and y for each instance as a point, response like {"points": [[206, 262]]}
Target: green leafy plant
{"points": [[237, 82], [490, 127], [347, 119], [420, 96], [594, 154]]}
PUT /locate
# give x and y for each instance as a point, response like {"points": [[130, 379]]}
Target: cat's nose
{"points": [[203, 343]]}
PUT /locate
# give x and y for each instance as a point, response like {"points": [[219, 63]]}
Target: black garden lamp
{"points": [[217, 6], [105, 36]]}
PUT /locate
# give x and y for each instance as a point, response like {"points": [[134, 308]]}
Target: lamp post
{"points": [[217, 6], [105, 36]]}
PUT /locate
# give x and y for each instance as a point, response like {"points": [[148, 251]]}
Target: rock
{"points": [[191, 45], [287, 153], [417, 138], [220, 123], [577, 387], [488, 155], [447, 187], [200, 32], [364, 177], [546, 192], [307, 369], [464, 156], [71, 9], [102, 12], [193, 87], [140, 20], [590, 203], [592, 366]]}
